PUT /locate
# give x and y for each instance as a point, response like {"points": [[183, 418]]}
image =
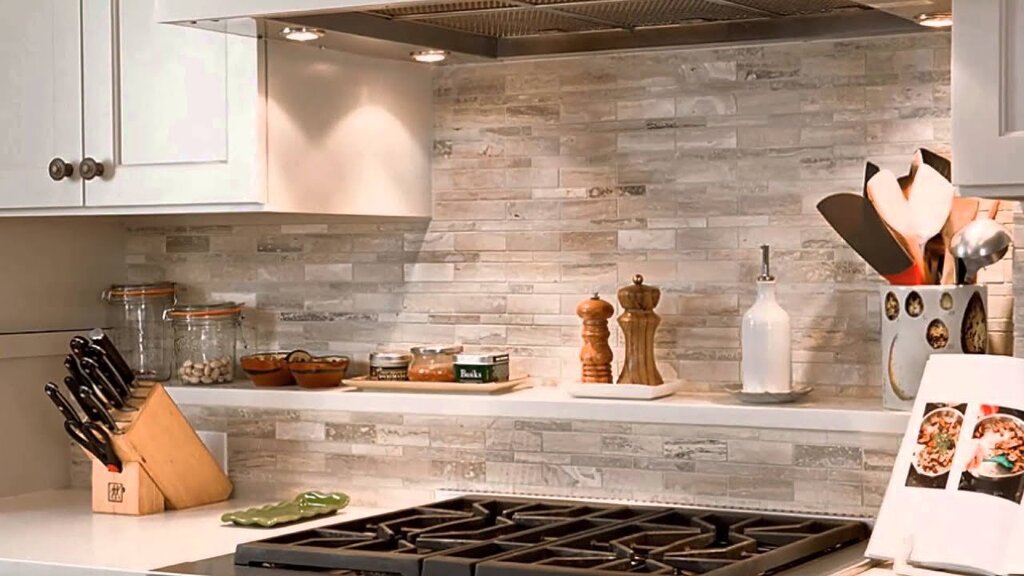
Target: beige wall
{"points": [[54, 270]]}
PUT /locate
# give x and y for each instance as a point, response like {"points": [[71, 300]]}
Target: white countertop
{"points": [[58, 528], [839, 415]]}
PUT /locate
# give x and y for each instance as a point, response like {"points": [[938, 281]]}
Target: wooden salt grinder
{"points": [[596, 355], [639, 323]]}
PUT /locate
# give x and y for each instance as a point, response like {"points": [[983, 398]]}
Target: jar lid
{"points": [[119, 292], [390, 358], [436, 350], [486, 359], [221, 309]]}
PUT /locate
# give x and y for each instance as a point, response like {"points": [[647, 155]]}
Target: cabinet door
{"points": [[40, 102], [988, 96], [172, 113]]}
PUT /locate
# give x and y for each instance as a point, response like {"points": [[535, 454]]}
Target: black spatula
{"points": [[854, 218]]}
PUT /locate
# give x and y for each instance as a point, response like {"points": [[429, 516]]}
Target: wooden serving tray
{"points": [[363, 383]]}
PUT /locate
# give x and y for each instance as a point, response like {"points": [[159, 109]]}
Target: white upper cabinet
{"points": [[141, 117], [171, 113], [988, 97], [40, 104]]}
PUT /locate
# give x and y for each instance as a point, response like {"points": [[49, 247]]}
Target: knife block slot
{"points": [[162, 456]]}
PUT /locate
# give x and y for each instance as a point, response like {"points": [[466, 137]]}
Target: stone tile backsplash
{"points": [[401, 459], [554, 179]]}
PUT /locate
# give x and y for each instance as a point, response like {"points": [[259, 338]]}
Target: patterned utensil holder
{"points": [[918, 321]]}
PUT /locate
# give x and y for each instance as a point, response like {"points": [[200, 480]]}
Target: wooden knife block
{"points": [[166, 465]]}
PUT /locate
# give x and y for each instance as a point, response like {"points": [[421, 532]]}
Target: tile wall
{"points": [[383, 459], [558, 178]]}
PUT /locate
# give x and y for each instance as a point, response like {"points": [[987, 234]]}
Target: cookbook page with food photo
{"points": [[954, 496]]}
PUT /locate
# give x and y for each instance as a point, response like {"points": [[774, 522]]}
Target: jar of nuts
{"points": [[205, 337]]}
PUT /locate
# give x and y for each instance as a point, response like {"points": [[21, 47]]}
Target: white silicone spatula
{"points": [[930, 197]]}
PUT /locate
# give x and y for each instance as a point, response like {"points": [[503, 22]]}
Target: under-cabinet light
{"points": [[302, 34], [429, 56], [936, 20]]}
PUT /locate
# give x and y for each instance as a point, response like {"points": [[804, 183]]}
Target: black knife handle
{"points": [[89, 397], [62, 404], [108, 370], [96, 441], [105, 389], [90, 410], [100, 338]]}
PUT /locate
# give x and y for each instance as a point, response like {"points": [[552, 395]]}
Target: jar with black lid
{"points": [[389, 366]]}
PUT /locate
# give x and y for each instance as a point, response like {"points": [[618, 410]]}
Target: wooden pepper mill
{"points": [[639, 323], [596, 355]]}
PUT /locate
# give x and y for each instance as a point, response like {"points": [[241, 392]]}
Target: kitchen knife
{"points": [[88, 397], [100, 384], [854, 218], [91, 411], [100, 338], [63, 406], [96, 441], [108, 370], [84, 348]]}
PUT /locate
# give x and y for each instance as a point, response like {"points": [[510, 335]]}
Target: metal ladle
{"points": [[980, 243]]}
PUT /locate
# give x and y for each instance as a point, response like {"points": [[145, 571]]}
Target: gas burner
{"points": [[512, 537]]}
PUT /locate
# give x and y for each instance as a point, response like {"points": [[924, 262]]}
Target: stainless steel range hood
{"points": [[531, 28]]}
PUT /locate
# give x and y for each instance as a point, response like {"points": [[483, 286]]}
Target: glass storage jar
{"points": [[433, 363], [138, 329], [205, 339]]}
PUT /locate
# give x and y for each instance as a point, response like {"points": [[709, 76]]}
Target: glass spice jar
{"points": [[433, 363], [389, 366], [205, 340], [138, 328]]}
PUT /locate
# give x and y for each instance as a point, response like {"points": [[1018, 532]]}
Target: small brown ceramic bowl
{"points": [[269, 369], [320, 372]]}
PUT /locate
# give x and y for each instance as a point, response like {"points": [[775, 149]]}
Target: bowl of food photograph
{"points": [[936, 442], [998, 447]]}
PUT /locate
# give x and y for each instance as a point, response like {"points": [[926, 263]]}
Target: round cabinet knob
{"points": [[59, 169], [90, 169]]}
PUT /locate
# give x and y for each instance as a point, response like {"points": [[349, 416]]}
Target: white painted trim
{"points": [[847, 415]]}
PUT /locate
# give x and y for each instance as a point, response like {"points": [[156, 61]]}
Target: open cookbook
{"points": [[954, 498]]}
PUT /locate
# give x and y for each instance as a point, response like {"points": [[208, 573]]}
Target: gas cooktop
{"points": [[479, 536]]}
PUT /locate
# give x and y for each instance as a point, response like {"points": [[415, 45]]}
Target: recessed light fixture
{"points": [[429, 56], [935, 20], [302, 34]]}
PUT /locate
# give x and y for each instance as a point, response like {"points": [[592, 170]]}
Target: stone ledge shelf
{"points": [[833, 415]]}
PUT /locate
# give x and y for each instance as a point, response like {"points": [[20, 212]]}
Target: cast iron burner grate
{"points": [[511, 537]]}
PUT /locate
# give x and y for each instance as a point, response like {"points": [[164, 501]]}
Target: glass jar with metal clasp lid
{"points": [[205, 341], [138, 329]]}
